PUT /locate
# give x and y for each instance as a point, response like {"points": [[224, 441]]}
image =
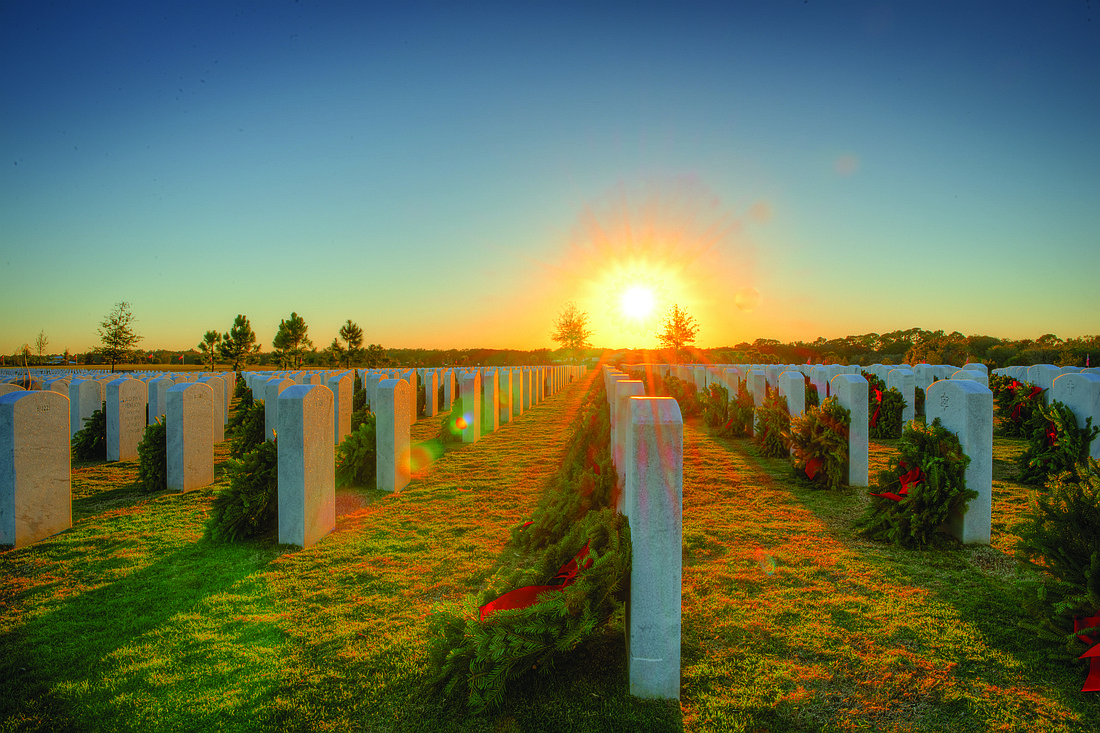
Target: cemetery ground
{"points": [[131, 621]]}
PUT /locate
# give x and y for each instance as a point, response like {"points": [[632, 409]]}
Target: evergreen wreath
{"points": [[773, 424], [249, 505], [1016, 403], [153, 457], [1055, 443], [247, 428], [90, 442], [819, 439], [474, 659], [684, 392], [884, 408], [739, 414], [1060, 538], [914, 500], [716, 407], [812, 399], [357, 455]]}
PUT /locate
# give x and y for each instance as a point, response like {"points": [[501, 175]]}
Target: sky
{"points": [[452, 175]]}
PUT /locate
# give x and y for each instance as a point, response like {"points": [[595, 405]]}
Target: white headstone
{"points": [[35, 487], [393, 450], [307, 465], [341, 385], [126, 420], [1080, 393], [471, 406], [654, 505], [965, 407], [272, 388], [905, 382], [851, 392], [490, 400], [189, 424]]}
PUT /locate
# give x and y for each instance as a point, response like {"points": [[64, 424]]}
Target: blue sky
{"points": [[450, 175]]}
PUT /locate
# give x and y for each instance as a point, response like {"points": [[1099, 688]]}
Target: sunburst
{"points": [[635, 302]]}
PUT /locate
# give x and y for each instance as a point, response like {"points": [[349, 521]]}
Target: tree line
{"points": [[292, 347]]}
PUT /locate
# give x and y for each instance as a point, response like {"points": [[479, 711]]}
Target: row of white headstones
{"points": [[647, 440], [310, 411]]}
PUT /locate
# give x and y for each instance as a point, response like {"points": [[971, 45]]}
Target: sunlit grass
{"points": [[130, 621]]}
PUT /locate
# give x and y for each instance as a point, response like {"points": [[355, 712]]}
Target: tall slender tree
{"points": [[209, 347], [353, 337], [291, 341], [116, 334], [679, 333], [239, 344], [571, 329]]}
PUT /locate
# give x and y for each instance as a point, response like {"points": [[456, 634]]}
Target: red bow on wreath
{"points": [[1052, 435], [1035, 392], [908, 479], [528, 595], [813, 466], [1092, 682], [878, 398]]}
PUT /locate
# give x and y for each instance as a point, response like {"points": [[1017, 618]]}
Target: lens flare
{"points": [[747, 299], [765, 561]]}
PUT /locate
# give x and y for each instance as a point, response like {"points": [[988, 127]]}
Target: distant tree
{"points": [[353, 337], [374, 356], [239, 345], [117, 336], [209, 347], [679, 333], [337, 351], [291, 341], [40, 344], [571, 329]]}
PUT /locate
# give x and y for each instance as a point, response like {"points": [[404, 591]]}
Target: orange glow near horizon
{"points": [[640, 249]]}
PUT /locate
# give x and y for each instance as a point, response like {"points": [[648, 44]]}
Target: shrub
{"points": [[812, 399], [773, 422], [249, 506], [90, 442], [918, 401], [1055, 443], [421, 398], [153, 457], [358, 395], [1060, 537], [247, 428], [241, 388], [819, 439], [356, 456], [685, 394], [914, 500], [716, 407], [739, 414]]}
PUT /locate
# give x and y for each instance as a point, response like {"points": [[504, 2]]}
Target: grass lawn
{"points": [[131, 621]]}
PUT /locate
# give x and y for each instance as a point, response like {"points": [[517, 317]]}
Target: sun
{"points": [[634, 302]]}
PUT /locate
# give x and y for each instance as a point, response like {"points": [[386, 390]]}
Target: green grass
{"points": [[130, 621]]}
